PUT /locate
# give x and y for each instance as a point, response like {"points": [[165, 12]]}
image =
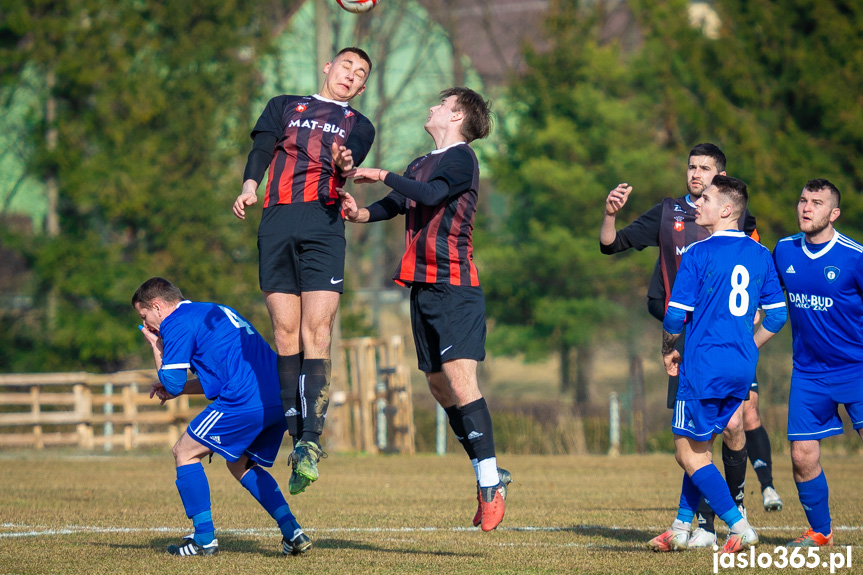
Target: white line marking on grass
{"points": [[24, 530]]}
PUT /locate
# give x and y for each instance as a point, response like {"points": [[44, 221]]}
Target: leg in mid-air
{"points": [[442, 391], [759, 451], [304, 325], [458, 381]]}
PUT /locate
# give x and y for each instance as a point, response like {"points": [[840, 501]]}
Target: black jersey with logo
{"points": [[305, 128]]}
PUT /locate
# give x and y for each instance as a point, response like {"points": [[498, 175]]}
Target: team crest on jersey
{"points": [[301, 108], [348, 113], [831, 273], [678, 222]]}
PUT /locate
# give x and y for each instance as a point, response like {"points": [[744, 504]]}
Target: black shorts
{"points": [[448, 323], [301, 248]]}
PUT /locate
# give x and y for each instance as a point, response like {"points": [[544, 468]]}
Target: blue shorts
{"points": [[701, 418], [813, 406], [230, 433]]}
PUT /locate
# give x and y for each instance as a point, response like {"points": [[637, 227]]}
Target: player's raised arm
{"points": [[368, 175], [613, 203]]}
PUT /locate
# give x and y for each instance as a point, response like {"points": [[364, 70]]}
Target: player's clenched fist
{"points": [[617, 198]]}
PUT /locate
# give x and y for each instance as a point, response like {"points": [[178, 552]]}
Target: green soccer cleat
{"points": [[304, 462], [297, 483]]}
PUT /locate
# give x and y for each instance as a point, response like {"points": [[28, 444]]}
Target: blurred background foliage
{"points": [[124, 131]]}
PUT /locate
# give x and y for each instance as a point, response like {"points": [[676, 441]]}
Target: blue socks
{"points": [[264, 488], [195, 492], [814, 497], [715, 490], [690, 496]]}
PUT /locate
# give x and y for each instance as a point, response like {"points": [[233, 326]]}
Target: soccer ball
{"points": [[357, 6]]}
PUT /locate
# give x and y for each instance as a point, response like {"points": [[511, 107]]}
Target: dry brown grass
{"points": [[96, 514]]}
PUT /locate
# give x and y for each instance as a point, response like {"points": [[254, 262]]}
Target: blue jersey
{"points": [[232, 361], [825, 299], [722, 281]]}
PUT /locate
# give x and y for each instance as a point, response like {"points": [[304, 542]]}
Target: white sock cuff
{"points": [[488, 472]]}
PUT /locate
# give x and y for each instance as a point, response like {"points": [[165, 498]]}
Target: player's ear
{"points": [[363, 89], [327, 67], [834, 214]]}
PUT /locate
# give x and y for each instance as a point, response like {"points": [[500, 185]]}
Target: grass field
{"points": [[65, 512]]}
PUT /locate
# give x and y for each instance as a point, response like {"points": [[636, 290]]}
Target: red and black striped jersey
{"points": [[439, 238], [305, 127], [671, 226]]}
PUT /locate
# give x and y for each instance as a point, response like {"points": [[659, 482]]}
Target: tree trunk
{"points": [[574, 426], [583, 374], [565, 368]]}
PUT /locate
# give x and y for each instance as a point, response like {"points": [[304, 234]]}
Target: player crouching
{"points": [[237, 370]]}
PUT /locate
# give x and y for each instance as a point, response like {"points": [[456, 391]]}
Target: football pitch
{"points": [[67, 512]]}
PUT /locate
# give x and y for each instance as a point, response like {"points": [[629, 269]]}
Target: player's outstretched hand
{"points": [[617, 198], [672, 362], [243, 201], [349, 205], [343, 158], [367, 175]]}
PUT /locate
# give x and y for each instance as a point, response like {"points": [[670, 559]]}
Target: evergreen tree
{"points": [[579, 129], [147, 113]]}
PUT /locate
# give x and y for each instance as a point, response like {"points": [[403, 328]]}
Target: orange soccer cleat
{"points": [[671, 540], [812, 539], [738, 542], [493, 506], [505, 479]]}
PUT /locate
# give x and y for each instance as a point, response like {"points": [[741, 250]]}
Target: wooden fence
{"points": [[370, 406]]}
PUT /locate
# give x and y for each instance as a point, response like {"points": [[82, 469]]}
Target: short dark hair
{"points": [[734, 189], [822, 184], [477, 112], [712, 151], [358, 51], [154, 288]]}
